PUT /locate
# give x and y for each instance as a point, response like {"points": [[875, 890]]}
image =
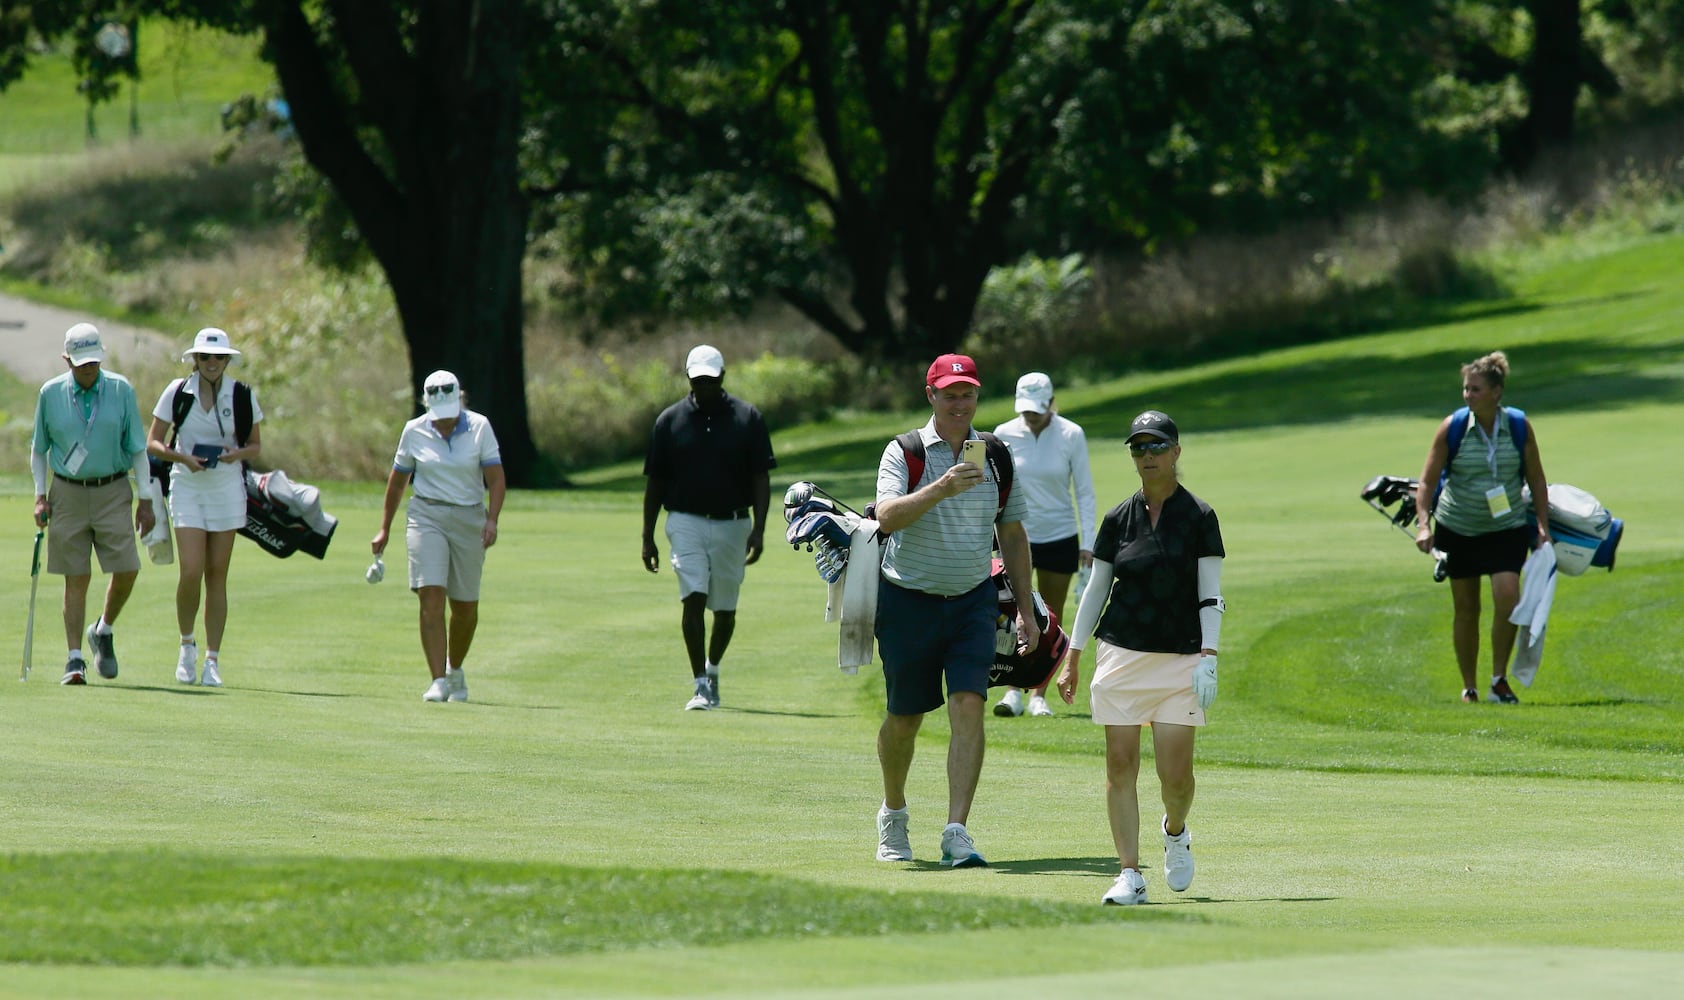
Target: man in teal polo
{"points": [[88, 438]]}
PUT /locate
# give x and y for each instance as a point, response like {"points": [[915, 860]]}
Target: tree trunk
{"points": [[437, 198], [1553, 76]]}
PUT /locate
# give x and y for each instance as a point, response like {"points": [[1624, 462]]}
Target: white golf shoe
{"points": [[439, 690], [702, 700], [1038, 707], [186, 662], [457, 683], [1010, 704], [209, 677], [1128, 890], [1178, 858], [958, 850]]}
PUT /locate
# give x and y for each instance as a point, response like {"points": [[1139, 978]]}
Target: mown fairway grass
{"points": [[312, 829]]}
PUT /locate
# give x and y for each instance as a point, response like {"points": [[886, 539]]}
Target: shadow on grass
{"points": [[1088, 867], [1557, 377]]}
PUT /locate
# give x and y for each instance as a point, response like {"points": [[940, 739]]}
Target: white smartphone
{"points": [[975, 452]]}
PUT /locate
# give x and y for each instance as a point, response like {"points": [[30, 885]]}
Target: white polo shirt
{"points": [[1048, 469], [448, 470]]}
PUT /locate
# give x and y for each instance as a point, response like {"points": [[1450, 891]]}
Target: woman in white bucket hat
{"points": [[206, 426]]}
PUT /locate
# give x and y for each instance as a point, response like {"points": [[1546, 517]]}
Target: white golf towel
{"points": [[853, 598], [1532, 612]]}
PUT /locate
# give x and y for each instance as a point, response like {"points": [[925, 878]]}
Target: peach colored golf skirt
{"points": [[1132, 688]]}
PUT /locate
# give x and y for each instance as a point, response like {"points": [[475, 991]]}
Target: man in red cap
{"points": [[936, 609]]}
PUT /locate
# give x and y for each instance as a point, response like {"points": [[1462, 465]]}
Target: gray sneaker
{"points": [[104, 648], [894, 843], [457, 683], [958, 850], [73, 673], [713, 687], [702, 700]]}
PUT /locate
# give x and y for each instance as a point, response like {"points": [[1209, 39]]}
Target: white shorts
{"points": [[709, 557], [212, 500], [446, 547], [1132, 688]]}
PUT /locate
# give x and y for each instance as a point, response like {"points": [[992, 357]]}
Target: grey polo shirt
{"points": [[948, 551]]}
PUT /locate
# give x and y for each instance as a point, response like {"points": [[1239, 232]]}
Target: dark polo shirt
{"points": [[1154, 602], [707, 460]]}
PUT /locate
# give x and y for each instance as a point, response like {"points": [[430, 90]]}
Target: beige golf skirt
{"points": [[1132, 688]]}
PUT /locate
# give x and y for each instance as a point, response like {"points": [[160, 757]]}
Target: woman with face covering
{"points": [[216, 433]]}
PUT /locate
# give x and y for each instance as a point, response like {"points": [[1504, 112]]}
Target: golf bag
{"points": [[1585, 534], [1023, 670], [1582, 531], [822, 523], [283, 517]]}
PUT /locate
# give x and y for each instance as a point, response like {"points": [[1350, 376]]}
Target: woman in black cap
{"points": [[1154, 601]]}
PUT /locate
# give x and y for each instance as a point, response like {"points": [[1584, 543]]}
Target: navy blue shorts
{"points": [[1472, 556], [921, 638], [1062, 556]]}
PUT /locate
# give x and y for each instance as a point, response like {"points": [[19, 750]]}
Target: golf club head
{"points": [[795, 496]]}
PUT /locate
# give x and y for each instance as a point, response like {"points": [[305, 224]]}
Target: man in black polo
{"points": [[708, 460]]}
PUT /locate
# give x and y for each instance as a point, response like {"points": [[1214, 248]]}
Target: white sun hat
{"points": [[210, 340]]}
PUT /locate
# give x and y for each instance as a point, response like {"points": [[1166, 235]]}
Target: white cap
{"points": [[82, 344], [704, 360], [1034, 393], [442, 392], [210, 340]]}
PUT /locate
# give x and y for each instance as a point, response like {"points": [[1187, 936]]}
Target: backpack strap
{"points": [[1458, 430], [999, 459], [182, 404]]}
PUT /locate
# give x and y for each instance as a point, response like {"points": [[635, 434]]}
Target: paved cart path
{"points": [[32, 340]]}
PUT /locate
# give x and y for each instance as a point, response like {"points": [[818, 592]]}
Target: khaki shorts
{"points": [[446, 547], [1132, 688], [100, 518], [709, 557]]}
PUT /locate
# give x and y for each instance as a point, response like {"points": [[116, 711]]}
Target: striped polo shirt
{"points": [[1462, 507], [948, 551]]}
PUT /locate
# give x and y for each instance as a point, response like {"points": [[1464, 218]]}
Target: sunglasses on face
{"points": [[1139, 448], [440, 390]]}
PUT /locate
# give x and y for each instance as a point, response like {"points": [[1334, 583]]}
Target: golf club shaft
{"points": [[29, 625]]}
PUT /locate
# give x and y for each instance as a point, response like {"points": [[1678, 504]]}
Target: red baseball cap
{"points": [[951, 368]]}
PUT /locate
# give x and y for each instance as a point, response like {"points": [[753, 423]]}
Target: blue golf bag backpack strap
{"points": [[1458, 430]]}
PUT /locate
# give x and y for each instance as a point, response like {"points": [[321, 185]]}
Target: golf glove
{"points": [[1204, 681], [376, 570]]}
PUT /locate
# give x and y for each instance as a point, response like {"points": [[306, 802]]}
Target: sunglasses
{"points": [[440, 390], [1139, 448]]}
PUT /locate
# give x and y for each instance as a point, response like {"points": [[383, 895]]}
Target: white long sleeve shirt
{"points": [[1050, 469]]}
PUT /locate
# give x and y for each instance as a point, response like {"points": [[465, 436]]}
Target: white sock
{"points": [[187, 640], [76, 654], [897, 812], [102, 627], [210, 656], [708, 666]]}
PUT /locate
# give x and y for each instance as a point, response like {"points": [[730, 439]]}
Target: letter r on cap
{"points": [[958, 367]]}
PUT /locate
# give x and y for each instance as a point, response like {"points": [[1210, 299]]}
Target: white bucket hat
{"points": [[210, 340]]}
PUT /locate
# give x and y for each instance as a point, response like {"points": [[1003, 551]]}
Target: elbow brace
{"points": [[1211, 605]]}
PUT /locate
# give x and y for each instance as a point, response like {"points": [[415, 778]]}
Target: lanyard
{"points": [[93, 411], [1490, 439]]}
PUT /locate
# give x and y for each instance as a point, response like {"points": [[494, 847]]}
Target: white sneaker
{"points": [[1011, 704], [1178, 858], [893, 841], [186, 661], [1128, 890], [958, 850], [457, 683], [1038, 706], [209, 677], [702, 700], [439, 690]]}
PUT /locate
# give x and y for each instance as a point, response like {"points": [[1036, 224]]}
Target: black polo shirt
{"points": [[1154, 602], [707, 460]]}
